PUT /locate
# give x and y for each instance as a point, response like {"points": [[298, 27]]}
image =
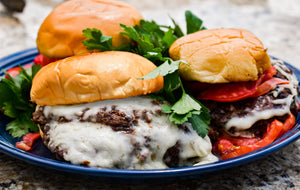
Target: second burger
{"points": [[252, 98]]}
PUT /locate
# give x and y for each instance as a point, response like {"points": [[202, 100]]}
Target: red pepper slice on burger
{"points": [[232, 92], [268, 86]]}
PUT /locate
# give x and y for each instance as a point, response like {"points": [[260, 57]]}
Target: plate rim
{"points": [[22, 57]]}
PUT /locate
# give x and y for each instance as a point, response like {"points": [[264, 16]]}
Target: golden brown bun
{"points": [[93, 77], [220, 56], [60, 35]]}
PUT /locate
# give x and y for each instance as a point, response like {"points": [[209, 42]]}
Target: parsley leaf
{"points": [[163, 69], [184, 108], [15, 101], [185, 104], [200, 123], [177, 30], [96, 40], [193, 23], [153, 40], [21, 125]]}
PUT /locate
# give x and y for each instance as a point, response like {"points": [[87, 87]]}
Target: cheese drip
{"points": [[97, 144]]}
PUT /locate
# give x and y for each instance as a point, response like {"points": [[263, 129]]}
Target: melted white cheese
{"points": [[243, 123], [100, 146]]}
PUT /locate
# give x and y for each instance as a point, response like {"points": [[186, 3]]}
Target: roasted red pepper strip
{"points": [[240, 141], [268, 85], [27, 141], [241, 90], [228, 144], [43, 60], [21, 145], [288, 124], [273, 131], [229, 147], [230, 92], [224, 146]]}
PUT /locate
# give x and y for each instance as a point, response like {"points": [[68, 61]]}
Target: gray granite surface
{"points": [[275, 22]]}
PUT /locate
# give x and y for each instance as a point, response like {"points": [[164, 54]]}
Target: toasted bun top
{"points": [[220, 56], [60, 35], [93, 77]]}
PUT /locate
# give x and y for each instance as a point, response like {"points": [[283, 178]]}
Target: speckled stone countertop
{"points": [[275, 22]]}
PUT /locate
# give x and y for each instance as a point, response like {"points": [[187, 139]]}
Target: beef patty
{"points": [[250, 117]]}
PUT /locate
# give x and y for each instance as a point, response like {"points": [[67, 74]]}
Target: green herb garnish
{"points": [[15, 101], [96, 40], [193, 23], [184, 107], [153, 41]]}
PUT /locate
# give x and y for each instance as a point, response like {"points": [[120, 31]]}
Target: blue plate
{"points": [[41, 156]]}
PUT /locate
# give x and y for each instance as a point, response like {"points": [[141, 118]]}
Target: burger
{"points": [[61, 33], [252, 98], [92, 110]]}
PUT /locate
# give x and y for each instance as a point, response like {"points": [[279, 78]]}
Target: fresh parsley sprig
{"points": [[153, 41], [96, 40], [150, 40], [15, 101], [184, 107], [193, 23]]}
